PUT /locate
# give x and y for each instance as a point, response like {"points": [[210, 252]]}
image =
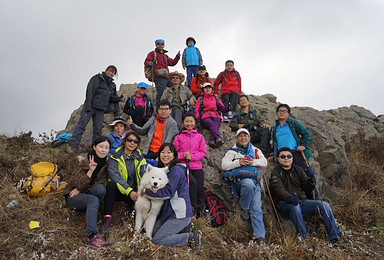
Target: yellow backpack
{"points": [[44, 179]]}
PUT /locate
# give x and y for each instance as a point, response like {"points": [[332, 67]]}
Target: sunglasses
{"points": [[159, 43], [286, 156], [130, 140]]}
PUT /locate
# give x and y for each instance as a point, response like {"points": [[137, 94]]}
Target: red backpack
{"points": [[216, 209]]}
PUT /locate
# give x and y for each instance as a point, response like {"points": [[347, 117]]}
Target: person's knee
{"points": [[93, 202], [247, 185]]}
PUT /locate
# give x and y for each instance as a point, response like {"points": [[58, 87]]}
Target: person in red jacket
{"points": [[198, 81], [207, 111], [159, 61], [230, 81]]}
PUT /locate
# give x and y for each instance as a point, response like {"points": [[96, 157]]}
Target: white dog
{"points": [[147, 210]]}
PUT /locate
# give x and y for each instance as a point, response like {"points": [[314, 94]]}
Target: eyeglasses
{"points": [[159, 43], [282, 111], [285, 156], [175, 77], [163, 108], [130, 140]]}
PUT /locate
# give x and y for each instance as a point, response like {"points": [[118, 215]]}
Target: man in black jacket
{"points": [[289, 185]]}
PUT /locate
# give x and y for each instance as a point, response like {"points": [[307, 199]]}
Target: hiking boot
{"points": [[106, 224], [188, 228], [334, 241], [219, 142], [70, 149], [230, 114], [260, 240], [225, 119], [195, 242], [212, 144], [97, 242]]}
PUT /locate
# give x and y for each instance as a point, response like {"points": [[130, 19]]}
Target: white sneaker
{"points": [[230, 114], [226, 119]]}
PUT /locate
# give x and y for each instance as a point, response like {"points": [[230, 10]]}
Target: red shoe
{"points": [[97, 242]]}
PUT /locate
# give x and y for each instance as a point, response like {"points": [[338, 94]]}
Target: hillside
{"points": [[347, 158]]}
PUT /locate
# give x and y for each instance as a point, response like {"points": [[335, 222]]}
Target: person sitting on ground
{"points": [[198, 81], [101, 91], [190, 146], [191, 59], [161, 128], [176, 212], [289, 186], [125, 168], [230, 81], [243, 153], [117, 135], [139, 105], [290, 133], [208, 112], [85, 189], [178, 95], [159, 61], [250, 118]]}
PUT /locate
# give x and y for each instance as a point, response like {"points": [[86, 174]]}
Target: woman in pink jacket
{"points": [[207, 111], [191, 150]]}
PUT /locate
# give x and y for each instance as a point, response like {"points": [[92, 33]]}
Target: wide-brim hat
{"points": [[118, 120], [176, 73]]}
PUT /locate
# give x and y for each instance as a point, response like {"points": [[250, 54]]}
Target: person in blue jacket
{"points": [[192, 59], [176, 212], [117, 135]]}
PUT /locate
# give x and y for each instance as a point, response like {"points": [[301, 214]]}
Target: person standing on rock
{"points": [[159, 61], [243, 153], [289, 186], [101, 91], [250, 118], [290, 133]]}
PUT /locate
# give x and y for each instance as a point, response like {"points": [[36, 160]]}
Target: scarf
{"points": [[100, 163], [247, 150]]}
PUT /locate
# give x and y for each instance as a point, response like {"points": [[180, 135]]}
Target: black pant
{"points": [[230, 99], [113, 194], [151, 155], [196, 192], [138, 116], [260, 135], [298, 159]]}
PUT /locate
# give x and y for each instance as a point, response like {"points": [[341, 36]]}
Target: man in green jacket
{"points": [[249, 118], [290, 133]]}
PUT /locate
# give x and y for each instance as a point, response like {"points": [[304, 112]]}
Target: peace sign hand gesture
{"points": [[92, 165]]}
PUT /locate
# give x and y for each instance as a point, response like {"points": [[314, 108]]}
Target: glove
{"points": [[310, 173], [294, 200], [150, 64], [178, 54]]}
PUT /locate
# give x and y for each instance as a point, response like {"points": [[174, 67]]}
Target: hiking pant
{"points": [[230, 100], [260, 135], [88, 202], [191, 72], [311, 208], [177, 114], [213, 125], [250, 200], [138, 116], [97, 116], [299, 160], [113, 194], [197, 193], [168, 233], [161, 85]]}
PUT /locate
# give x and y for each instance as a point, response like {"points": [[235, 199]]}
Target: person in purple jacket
{"points": [[176, 212], [191, 149]]}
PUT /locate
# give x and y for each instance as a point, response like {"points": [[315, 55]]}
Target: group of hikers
{"points": [[113, 168]]}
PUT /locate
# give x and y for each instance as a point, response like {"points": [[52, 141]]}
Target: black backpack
{"points": [[216, 208]]}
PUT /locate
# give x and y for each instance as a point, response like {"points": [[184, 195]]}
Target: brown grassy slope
{"points": [[359, 212]]}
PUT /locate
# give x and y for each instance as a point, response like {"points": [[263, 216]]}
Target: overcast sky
{"points": [[319, 53]]}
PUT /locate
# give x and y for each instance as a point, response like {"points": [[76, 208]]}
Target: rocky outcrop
{"points": [[331, 131]]}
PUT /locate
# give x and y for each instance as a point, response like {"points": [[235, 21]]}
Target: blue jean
{"points": [[311, 208], [250, 200], [168, 233], [97, 116], [90, 203], [191, 72]]}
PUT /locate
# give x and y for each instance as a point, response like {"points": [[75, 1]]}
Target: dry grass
{"points": [[62, 232]]}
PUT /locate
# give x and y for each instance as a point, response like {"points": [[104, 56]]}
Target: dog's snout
{"points": [[155, 184]]}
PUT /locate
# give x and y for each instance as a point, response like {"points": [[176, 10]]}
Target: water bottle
{"points": [[12, 204]]}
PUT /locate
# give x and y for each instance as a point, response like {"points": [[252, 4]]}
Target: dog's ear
{"points": [[149, 167], [166, 169]]}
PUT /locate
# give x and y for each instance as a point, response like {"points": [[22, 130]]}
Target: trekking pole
{"points": [[274, 208], [86, 140], [319, 196], [45, 185], [188, 171]]}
